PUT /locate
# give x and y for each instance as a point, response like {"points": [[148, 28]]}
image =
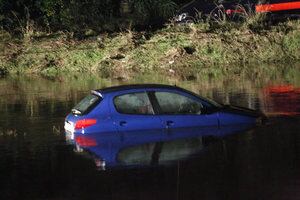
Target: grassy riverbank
{"points": [[197, 51]]}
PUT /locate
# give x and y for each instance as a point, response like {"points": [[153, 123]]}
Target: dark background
{"points": [[75, 15]]}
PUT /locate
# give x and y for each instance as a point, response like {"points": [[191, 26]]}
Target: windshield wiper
{"points": [[76, 112]]}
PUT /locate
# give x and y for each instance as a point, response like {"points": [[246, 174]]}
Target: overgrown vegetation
{"points": [[53, 38], [20, 17], [194, 51]]}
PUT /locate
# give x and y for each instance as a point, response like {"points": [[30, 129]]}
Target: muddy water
{"points": [[36, 162]]}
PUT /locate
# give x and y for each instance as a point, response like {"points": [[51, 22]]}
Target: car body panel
{"points": [[190, 120], [114, 130], [132, 122]]}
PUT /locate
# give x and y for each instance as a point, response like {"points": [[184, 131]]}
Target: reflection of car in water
{"points": [[142, 108], [281, 100], [237, 9], [148, 148]]}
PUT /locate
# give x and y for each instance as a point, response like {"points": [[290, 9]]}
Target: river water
{"points": [[261, 163]]}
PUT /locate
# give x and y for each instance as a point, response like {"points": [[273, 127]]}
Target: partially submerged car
{"points": [[237, 10], [149, 107]]}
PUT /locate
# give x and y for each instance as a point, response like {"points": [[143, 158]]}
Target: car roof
{"points": [[136, 86], [148, 86]]}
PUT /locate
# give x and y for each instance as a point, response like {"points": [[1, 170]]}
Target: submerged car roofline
{"points": [[135, 86], [149, 86]]}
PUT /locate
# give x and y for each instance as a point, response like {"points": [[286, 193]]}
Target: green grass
{"points": [[193, 51]]}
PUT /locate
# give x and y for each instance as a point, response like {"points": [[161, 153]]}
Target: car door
{"points": [[179, 110], [132, 111]]}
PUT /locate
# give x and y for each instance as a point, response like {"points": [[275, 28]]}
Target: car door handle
{"points": [[169, 123], [122, 123]]}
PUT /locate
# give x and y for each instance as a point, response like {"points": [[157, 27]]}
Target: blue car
{"points": [[149, 107]]}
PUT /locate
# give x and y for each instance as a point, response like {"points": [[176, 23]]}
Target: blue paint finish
{"points": [[133, 122], [187, 120], [235, 119], [115, 131], [102, 114], [190, 121]]}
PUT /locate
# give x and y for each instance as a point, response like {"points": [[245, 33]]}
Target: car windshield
{"points": [[86, 104]]}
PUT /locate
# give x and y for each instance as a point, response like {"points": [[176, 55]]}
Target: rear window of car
{"points": [[86, 104]]}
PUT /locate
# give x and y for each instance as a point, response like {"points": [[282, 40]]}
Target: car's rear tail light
{"points": [[85, 141], [85, 123]]}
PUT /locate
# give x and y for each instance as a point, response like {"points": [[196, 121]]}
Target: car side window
{"points": [[176, 104], [134, 103]]}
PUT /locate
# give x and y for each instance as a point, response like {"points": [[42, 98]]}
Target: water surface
{"points": [[261, 163]]}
